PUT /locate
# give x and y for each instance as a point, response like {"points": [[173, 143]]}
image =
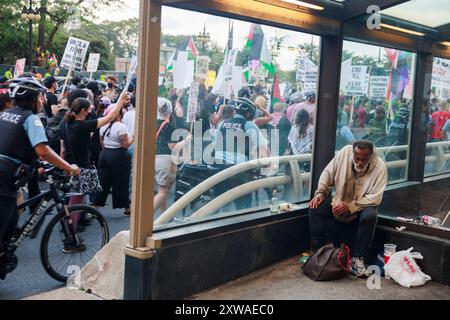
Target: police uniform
{"points": [[21, 131], [245, 135]]}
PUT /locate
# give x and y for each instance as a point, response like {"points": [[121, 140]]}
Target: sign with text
{"points": [[307, 71], [193, 102], [20, 67], [378, 87], [231, 62], [202, 67], [94, 61], [75, 54], [355, 81]]}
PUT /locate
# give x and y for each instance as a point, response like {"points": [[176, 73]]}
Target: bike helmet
{"points": [[310, 95], [244, 105], [22, 88]]}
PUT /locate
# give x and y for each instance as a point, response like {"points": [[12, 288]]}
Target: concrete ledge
{"points": [[64, 294]]}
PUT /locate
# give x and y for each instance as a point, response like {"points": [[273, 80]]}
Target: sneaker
{"points": [[358, 267], [127, 213]]}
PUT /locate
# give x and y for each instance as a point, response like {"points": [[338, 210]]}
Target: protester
{"points": [[308, 105], [76, 134], [115, 164], [111, 91], [282, 127], [360, 179], [302, 134], [51, 107], [438, 119], [165, 168]]}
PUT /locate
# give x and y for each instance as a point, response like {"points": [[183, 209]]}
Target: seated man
{"points": [[360, 178]]}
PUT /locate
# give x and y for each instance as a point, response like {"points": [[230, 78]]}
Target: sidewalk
{"points": [[286, 281]]}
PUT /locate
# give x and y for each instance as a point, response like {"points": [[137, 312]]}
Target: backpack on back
{"points": [[53, 129]]}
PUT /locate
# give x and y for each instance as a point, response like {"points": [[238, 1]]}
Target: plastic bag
{"points": [[404, 270]]}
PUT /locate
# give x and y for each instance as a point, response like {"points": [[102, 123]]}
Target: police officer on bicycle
{"points": [[238, 140], [23, 141]]}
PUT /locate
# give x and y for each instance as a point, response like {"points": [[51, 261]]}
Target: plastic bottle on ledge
{"points": [[431, 221], [274, 206]]}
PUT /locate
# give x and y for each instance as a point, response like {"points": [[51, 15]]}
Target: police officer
{"points": [[238, 140], [23, 141]]}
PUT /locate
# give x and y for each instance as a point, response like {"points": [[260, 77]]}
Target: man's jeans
{"points": [[358, 235]]}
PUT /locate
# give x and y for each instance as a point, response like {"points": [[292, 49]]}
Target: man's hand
{"points": [[340, 209], [317, 201]]}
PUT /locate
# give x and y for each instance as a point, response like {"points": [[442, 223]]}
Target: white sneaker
{"points": [[358, 267]]}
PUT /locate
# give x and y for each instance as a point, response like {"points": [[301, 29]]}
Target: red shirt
{"points": [[439, 118]]}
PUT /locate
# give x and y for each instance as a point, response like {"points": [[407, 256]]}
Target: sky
{"points": [[183, 22]]}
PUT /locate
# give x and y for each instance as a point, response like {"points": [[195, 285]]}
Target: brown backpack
{"points": [[328, 263]]}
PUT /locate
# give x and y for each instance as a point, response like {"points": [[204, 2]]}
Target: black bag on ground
{"points": [[328, 263]]}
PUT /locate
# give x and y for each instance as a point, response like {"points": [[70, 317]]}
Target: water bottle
{"points": [[274, 207], [431, 221]]}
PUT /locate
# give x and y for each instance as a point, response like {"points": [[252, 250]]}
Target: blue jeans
{"points": [[358, 235]]}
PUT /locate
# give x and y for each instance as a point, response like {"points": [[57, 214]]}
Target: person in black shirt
{"points": [[76, 133], [165, 168], [52, 100]]}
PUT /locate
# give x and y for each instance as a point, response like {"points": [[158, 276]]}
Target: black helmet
{"points": [[244, 105], [22, 88]]}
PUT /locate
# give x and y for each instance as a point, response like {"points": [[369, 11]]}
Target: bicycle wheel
{"points": [[70, 242]]}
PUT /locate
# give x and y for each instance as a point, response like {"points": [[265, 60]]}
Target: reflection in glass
{"points": [[438, 120], [242, 98], [376, 94]]}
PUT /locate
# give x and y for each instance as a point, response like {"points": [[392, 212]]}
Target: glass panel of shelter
{"points": [[208, 139], [438, 120], [376, 102]]}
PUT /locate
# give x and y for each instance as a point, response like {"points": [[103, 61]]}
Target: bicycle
{"points": [[72, 237]]}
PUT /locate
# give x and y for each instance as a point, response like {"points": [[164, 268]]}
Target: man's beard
{"points": [[358, 170]]}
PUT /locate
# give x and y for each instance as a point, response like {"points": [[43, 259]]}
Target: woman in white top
{"points": [[115, 164], [301, 136]]}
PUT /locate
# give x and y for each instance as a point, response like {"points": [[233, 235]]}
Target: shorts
{"points": [[165, 171]]}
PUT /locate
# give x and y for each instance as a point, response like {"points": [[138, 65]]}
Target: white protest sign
{"points": [[378, 87], [307, 71], [441, 74], [230, 63], [75, 54], [357, 82], [20, 67], [202, 67], [94, 61], [183, 71], [193, 102]]}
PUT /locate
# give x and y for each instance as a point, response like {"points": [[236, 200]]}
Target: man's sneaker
{"points": [[358, 268]]}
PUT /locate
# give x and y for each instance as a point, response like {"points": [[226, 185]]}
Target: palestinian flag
{"points": [[276, 94], [186, 46], [259, 48], [192, 49]]}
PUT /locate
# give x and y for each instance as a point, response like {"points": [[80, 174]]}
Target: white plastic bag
{"points": [[404, 270]]}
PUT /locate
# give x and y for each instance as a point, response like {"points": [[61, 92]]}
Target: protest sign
{"points": [[202, 67], [20, 67], [193, 102], [378, 87], [75, 54], [94, 60], [355, 80]]}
